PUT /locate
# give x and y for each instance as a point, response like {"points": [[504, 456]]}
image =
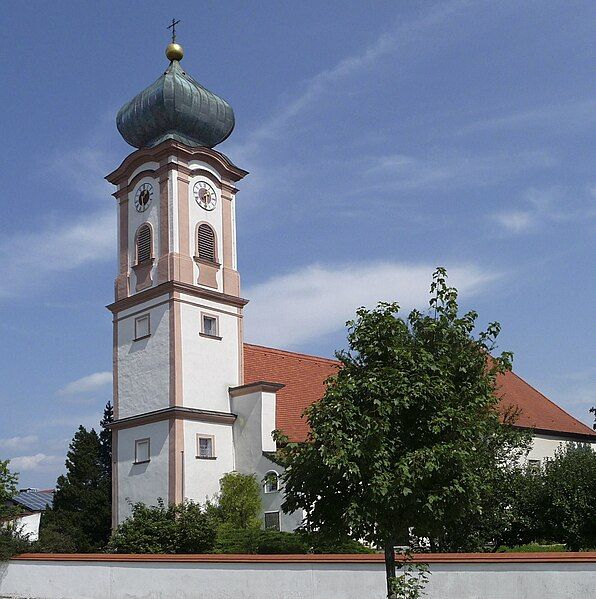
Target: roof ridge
{"points": [[294, 353], [588, 430]]}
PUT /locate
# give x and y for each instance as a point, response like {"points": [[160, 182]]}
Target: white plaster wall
{"points": [[144, 365], [146, 166], [201, 477], [213, 217], [28, 525], [268, 421], [209, 366], [234, 244], [136, 580], [136, 219], [142, 482], [545, 446], [250, 459]]}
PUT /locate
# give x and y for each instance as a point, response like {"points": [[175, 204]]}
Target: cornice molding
{"points": [[257, 386], [169, 148], [174, 413], [170, 287]]}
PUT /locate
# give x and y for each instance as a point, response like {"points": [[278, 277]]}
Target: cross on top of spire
{"points": [[173, 28]]}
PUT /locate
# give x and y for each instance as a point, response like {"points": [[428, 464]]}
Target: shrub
{"points": [[12, 542], [183, 528], [256, 540], [231, 539], [53, 539], [531, 548], [320, 543], [272, 541]]}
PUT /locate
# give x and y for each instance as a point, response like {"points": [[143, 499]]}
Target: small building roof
{"points": [[304, 378], [35, 500]]}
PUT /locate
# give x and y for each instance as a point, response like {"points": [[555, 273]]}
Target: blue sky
{"points": [[383, 139]]}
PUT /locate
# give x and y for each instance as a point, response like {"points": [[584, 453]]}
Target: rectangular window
{"points": [[142, 327], [142, 454], [271, 482], [205, 447], [210, 326], [272, 521]]}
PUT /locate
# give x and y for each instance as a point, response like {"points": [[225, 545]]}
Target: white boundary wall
{"points": [[312, 578]]}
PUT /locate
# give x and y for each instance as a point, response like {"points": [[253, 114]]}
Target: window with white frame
{"points": [[272, 521], [271, 482], [210, 325], [142, 451], [205, 447], [142, 326]]}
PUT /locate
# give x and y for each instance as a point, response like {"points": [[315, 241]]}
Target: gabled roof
{"points": [[35, 500], [304, 378]]}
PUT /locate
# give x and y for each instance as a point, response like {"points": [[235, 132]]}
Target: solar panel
{"points": [[36, 501]]}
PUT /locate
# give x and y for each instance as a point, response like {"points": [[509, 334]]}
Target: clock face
{"points": [[143, 197], [205, 195]]}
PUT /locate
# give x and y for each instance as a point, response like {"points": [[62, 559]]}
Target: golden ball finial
{"points": [[174, 52]]}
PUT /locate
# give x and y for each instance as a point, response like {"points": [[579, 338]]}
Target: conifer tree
{"points": [[80, 516], [105, 438]]}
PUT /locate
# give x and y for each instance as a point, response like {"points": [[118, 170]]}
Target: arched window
{"points": [[271, 482], [144, 244], [206, 242]]}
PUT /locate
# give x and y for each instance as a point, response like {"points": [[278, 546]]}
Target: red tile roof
{"points": [[304, 379]]}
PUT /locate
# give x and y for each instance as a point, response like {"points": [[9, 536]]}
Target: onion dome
{"points": [[175, 107]]}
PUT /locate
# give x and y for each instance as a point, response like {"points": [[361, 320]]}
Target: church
{"points": [[192, 400]]}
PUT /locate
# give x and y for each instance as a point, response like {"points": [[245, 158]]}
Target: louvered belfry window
{"points": [[144, 244], [206, 243]]}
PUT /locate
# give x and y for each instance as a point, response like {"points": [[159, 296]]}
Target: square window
{"points": [[142, 452], [205, 448], [142, 327], [210, 326], [272, 521]]}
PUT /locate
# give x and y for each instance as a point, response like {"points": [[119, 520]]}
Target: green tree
{"points": [[81, 512], [593, 411], [240, 500], [8, 489], [239, 508], [407, 430], [11, 540], [569, 497]]}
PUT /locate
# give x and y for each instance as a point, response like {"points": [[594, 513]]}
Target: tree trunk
{"points": [[390, 567]]}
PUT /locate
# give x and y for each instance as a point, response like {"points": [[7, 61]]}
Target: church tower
{"points": [[177, 314]]}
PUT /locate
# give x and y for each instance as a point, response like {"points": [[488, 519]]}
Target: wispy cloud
{"points": [[27, 259], [441, 169], [39, 461], [64, 242], [580, 113], [314, 301], [87, 384], [328, 79], [515, 221], [544, 206], [20, 443]]}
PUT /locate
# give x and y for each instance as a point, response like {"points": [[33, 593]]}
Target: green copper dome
{"points": [[175, 107]]}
